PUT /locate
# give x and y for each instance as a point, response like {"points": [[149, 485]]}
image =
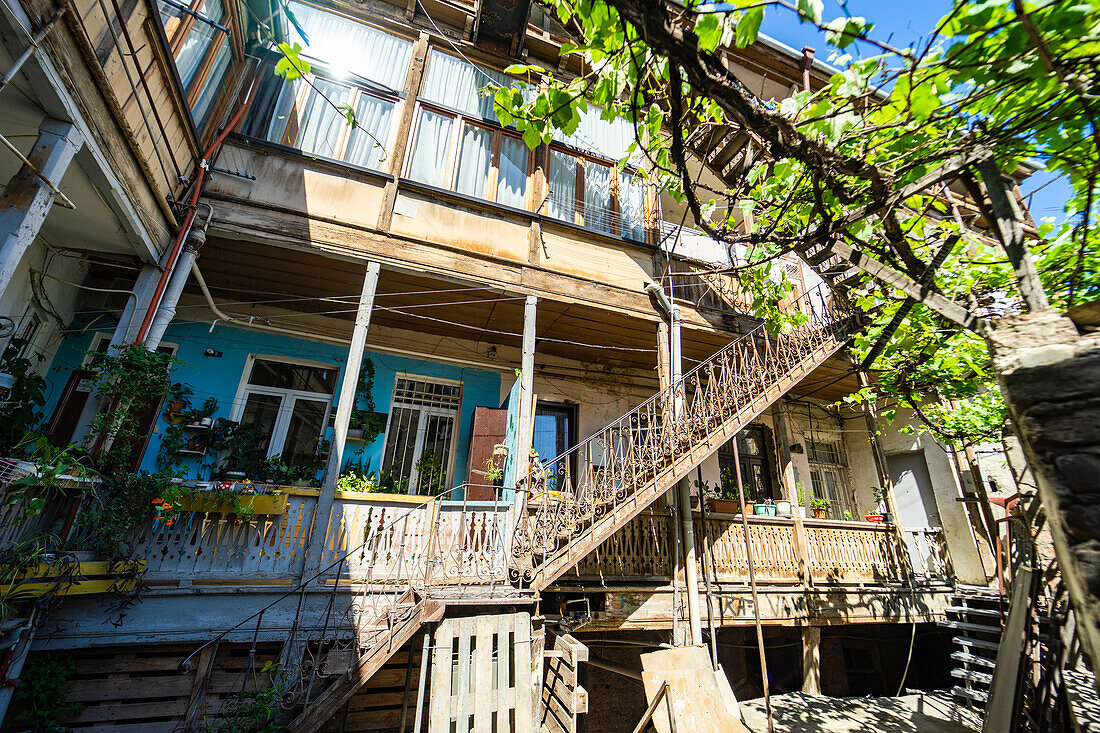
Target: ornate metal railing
{"points": [[575, 501]]}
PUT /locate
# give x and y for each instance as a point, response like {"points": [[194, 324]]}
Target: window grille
{"points": [[420, 437], [829, 476]]}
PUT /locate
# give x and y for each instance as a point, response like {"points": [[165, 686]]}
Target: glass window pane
{"points": [[261, 411], [562, 176], [473, 161], [512, 178], [321, 124], [307, 422], [350, 47], [429, 157], [632, 206], [431, 464], [597, 196], [399, 457], [367, 142], [212, 85], [292, 376], [452, 82], [194, 49]]}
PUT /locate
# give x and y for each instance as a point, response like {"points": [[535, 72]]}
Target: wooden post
{"points": [[405, 123], [811, 660], [524, 436], [752, 584], [318, 533], [708, 571], [801, 538], [1012, 236], [425, 656]]}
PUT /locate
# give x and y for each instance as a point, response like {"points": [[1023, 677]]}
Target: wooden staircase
{"points": [[977, 617], [579, 499]]}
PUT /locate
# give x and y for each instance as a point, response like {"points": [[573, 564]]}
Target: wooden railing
{"points": [[402, 539], [840, 553]]}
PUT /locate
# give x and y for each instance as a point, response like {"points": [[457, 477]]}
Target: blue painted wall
{"points": [[219, 377]]}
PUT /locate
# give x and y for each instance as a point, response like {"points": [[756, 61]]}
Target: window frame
{"points": [[839, 469], [425, 411], [285, 409], [614, 213], [178, 37], [459, 122]]}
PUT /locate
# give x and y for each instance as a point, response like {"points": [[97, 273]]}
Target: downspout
{"points": [[167, 310], [189, 218]]}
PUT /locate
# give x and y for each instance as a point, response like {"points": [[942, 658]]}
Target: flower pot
{"points": [[820, 513], [783, 508], [355, 434], [803, 511], [724, 506], [888, 518], [695, 502], [873, 518], [764, 510], [177, 406]]}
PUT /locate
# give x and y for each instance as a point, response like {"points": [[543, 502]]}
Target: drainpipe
{"points": [[806, 65], [176, 250], [167, 310]]}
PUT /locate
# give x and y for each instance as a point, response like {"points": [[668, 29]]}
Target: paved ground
{"points": [[928, 712]]}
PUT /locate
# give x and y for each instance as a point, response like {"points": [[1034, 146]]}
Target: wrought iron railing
{"points": [[645, 451], [373, 590]]}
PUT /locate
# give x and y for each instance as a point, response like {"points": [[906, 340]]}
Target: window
{"points": [[591, 193], [420, 437], [288, 403], [753, 456], [198, 37], [829, 476], [554, 434], [352, 64], [465, 155]]}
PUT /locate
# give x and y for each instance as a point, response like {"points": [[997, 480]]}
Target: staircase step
{"points": [[974, 659], [971, 611], [967, 626], [983, 678], [976, 643], [976, 695]]}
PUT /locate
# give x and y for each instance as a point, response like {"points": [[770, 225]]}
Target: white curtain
{"points": [[473, 161], [598, 136], [284, 109], [320, 124], [347, 46], [429, 158], [452, 82], [562, 174], [512, 177], [597, 196], [366, 145], [632, 206]]}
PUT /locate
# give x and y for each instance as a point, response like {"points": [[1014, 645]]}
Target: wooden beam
{"points": [[413, 78], [1008, 224], [1002, 704]]}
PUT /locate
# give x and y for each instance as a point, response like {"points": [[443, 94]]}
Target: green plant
{"points": [[800, 492], [180, 441], [48, 482], [356, 481], [391, 484], [21, 404], [431, 474], [39, 699], [365, 418], [251, 711], [816, 503], [39, 556], [114, 509]]}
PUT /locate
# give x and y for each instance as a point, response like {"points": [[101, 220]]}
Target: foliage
{"points": [[39, 699], [431, 474], [115, 508], [365, 418], [816, 503], [251, 711], [1014, 79], [357, 481], [35, 559], [20, 408]]}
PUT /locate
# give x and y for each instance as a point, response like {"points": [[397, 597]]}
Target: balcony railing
{"points": [[839, 553]]}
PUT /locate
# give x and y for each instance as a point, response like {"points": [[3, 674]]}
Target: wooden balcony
{"points": [[838, 553]]}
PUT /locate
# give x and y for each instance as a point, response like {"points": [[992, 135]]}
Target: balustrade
{"points": [[840, 553]]}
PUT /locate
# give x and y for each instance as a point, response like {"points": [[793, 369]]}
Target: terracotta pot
{"points": [[873, 518], [724, 506], [820, 513], [176, 406]]}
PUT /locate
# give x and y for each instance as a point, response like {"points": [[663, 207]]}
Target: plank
{"points": [[132, 688], [484, 628], [136, 711]]}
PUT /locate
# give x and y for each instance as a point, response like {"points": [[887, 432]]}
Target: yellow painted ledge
{"points": [[243, 504], [38, 581]]}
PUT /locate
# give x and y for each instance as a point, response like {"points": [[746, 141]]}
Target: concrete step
{"points": [[971, 611], [966, 658], [975, 628]]}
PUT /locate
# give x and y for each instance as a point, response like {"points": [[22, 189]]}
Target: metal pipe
{"points": [[63, 199], [30, 49]]}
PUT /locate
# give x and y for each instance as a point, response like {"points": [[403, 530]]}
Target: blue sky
{"points": [[902, 23]]}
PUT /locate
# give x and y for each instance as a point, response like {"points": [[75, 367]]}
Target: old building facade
{"points": [[374, 325]]}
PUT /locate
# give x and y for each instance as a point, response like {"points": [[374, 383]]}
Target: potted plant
{"points": [[800, 492], [882, 507], [873, 517], [783, 508], [179, 396], [764, 508], [820, 507]]}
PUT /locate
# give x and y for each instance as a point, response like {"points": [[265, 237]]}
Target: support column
{"points": [[691, 564], [166, 310], [344, 406], [524, 431], [27, 198], [811, 660]]}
